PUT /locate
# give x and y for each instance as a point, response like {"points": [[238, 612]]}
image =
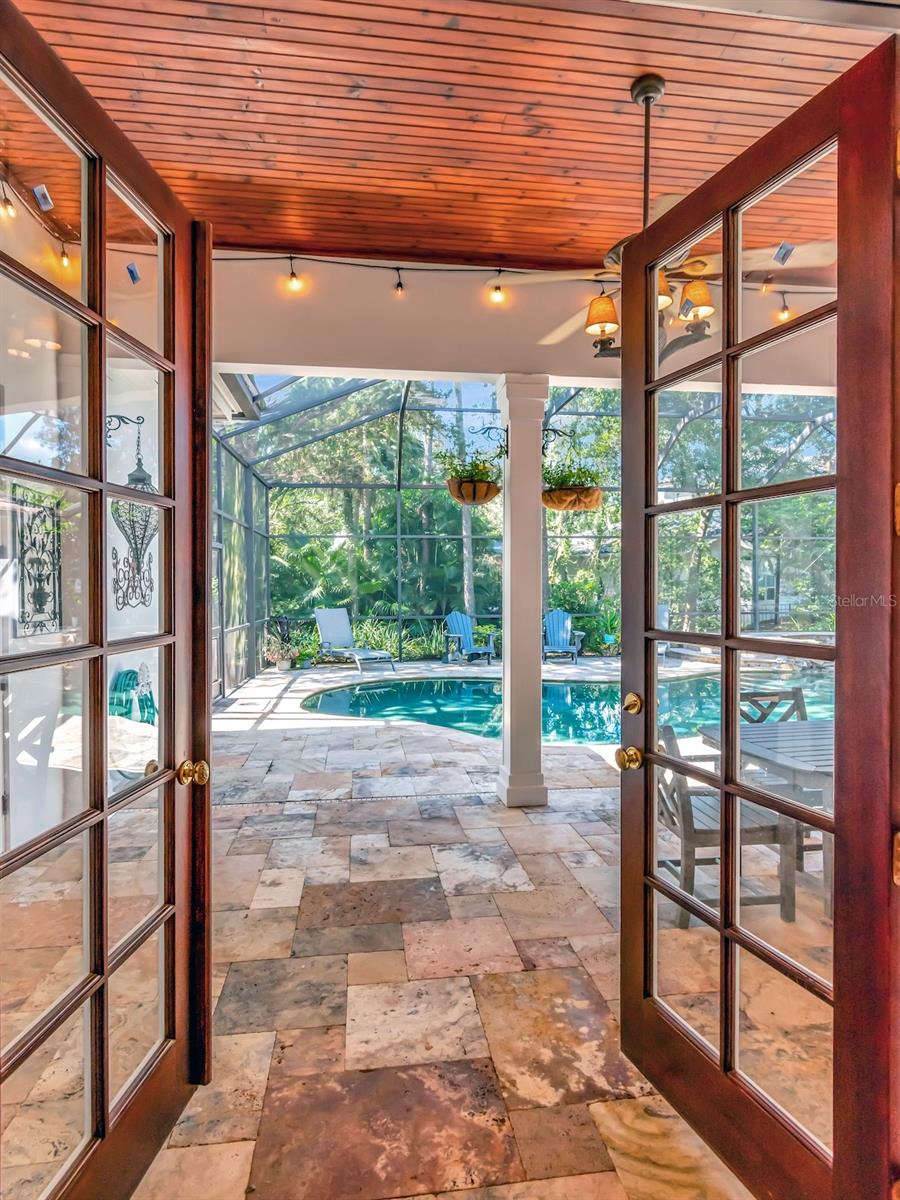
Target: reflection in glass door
{"points": [[741, 528], [94, 872]]}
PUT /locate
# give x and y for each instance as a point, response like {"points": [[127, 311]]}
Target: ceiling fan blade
{"points": [[784, 256], [661, 204], [588, 275], [789, 256], [566, 330]]}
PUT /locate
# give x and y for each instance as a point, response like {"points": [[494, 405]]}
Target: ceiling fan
{"points": [[692, 271]]}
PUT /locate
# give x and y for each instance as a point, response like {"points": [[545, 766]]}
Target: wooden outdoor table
{"points": [[799, 752]]}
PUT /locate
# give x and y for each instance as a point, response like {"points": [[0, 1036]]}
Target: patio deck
{"points": [[417, 988]]}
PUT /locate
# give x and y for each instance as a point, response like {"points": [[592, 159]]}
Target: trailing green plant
{"points": [[484, 467], [569, 475]]}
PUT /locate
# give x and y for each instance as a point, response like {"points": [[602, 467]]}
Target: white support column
{"points": [[522, 400]]}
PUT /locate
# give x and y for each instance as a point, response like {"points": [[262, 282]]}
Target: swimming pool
{"points": [[572, 712]]}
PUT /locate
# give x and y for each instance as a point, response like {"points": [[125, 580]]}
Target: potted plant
{"points": [[279, 646], [304, 646], [472, 479], [569, 488]]}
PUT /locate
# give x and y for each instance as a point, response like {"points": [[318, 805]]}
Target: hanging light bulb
{"points": [[64, 259], [663, 292], [498, 296], [398, 286], [602, 318], [6, 205], [696, 301], [784, 313], [294, 282], [766, 285]]}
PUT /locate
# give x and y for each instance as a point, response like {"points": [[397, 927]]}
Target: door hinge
{"points": [[895, 859], [897, 509]]}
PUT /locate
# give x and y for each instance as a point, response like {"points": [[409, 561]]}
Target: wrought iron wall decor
{"points": [[132, 576], [38, 541]]}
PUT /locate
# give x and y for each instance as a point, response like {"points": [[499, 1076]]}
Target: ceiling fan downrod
{"points": [[645, 91]]}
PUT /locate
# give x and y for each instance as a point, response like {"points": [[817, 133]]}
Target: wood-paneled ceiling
{"points": [[453, 130]]}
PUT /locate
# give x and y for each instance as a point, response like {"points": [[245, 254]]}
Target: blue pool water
{"points": [[572, 712]]}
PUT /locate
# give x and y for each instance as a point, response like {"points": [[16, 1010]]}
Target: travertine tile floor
{"points": [[416, 987]]}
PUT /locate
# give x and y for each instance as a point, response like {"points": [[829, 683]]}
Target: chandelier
{"points": [[132, 576]]}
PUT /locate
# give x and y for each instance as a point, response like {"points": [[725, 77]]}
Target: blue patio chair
{"points": [[461, 631], [559, 636]]}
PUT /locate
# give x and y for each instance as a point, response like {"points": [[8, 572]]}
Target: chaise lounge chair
{"points": [[461, 631], [559, 636], [336, 638]]}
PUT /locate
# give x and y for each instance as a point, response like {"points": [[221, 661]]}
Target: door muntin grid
{"points": [[762, 818], [75, 986]]}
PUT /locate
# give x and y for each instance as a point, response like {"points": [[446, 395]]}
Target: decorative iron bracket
{"points": [[494, 434]]}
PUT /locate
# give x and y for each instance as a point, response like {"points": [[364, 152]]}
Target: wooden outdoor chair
{"points": [[779, 704], [459, 635], [559, 636], [690, 811]]}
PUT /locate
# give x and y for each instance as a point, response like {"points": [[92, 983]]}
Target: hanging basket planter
{"points": [[473, 491], [572, 499]]}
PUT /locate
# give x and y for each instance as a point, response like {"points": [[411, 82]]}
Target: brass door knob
{"points": [[632, 703], [628, 758], [193, 772]]}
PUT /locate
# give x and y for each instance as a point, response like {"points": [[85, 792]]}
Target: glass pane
{"points": [[43, 596], [787, 567], [259, 505], [42, 380], [236, 599], [784, 1043], [135, 570], [135, 863], [432, 571], [134, 271], [689, 702], [233, 475], [789, 248], [134, 724], [788, 408], [136, 1007], [44, 750], [41, 195], [686, 968], [786, 727], [688, 309], [786, 885], [689, 570], [261, 574], [134, 417], [688, 827], [689, 438], [46, 1110], [43, 923], [235, 658]]}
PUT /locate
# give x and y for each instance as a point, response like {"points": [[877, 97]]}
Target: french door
{"points": [[760, 563], [104, 851]]}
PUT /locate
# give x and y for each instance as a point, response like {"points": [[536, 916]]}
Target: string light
{"points": [[6, 204], [498, 296], [398, 286], [784, 313], [63, 255], [295, 283], [766, 285]]}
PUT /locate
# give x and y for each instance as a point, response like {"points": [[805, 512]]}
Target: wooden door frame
{"points": [[862, 112], [112, 1163]]}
